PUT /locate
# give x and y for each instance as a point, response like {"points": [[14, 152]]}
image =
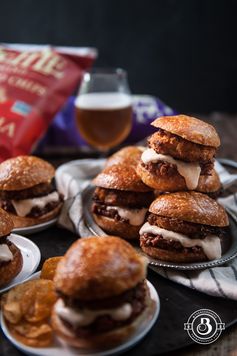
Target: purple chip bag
{"points": [[63, 130]]}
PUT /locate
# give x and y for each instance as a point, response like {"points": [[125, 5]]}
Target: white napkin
{"points": [[73, 177]]}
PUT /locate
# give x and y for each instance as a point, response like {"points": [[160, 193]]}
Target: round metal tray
{"points": [[97, 231]]}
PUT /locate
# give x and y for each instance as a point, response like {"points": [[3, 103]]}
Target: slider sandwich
{"points": [[180, 151], [102, 293], [10, 256], [185, 227], [121, 201], [27, 190]]}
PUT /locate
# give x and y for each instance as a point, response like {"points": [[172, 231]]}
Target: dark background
{"points": [[184, 51]]}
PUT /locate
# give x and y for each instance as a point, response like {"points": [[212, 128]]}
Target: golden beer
{"points": [[104, 119]]}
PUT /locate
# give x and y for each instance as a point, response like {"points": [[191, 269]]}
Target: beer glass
{"points": [[104, 108]]}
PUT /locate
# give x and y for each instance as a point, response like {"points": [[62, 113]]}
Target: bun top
{"points": [[121, 177], [129, 155], [189, 128], [99, 267], [190, 206], [209, 184], [6, 223], [24, 172]]}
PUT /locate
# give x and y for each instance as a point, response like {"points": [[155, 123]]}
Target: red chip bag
{"points": [[33, 86]]}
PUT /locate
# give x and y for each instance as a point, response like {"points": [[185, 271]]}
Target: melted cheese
{"points": [[24, 206], [189, 170], [87, 316], [5, 253], [134, 216], [211, 245]]}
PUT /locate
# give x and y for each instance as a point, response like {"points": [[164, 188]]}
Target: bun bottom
{"points": [[11, 269], [118, 228], [101, 340], [206, 184], [174, 256], [161, 182], [28, 221]]}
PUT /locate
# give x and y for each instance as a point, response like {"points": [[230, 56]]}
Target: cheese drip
{"points": [[190, 171], [5, 253], [134, 216], [211, 244], [23, 207], [86, 317]]}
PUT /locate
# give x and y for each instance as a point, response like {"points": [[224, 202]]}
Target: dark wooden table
{"points": [[177, 302]]}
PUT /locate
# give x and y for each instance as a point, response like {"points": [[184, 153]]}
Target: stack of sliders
{"points": [[183, 225], [11, 260], [121, 200], [102, 293], [180, 156], [27, 190]]}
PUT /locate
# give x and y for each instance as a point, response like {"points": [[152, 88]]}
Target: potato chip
{"points": [[27, 310], [33, 300], [49, 267], [11, 302], [33, 335], [42, 297]]}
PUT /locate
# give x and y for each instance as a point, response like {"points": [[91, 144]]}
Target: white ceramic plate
{"points": [[31, 259], [61, 349], [227, 256], [35, 228]]}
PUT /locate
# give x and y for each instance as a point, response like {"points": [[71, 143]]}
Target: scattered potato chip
{"points": [[27, 309], [49, 267], [32, 335], [11, 302], [33, 331], [43, 298]]}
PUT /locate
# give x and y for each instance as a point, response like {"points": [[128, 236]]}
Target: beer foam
{"points": [[105, 101]]}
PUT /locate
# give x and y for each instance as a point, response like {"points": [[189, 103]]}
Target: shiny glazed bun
{"points": [[192, 207], [99, 267], [189, 128], [120, 177], [24, 172]]}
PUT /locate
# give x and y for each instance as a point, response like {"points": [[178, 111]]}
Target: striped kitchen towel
{"points": [[74, 177]]}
